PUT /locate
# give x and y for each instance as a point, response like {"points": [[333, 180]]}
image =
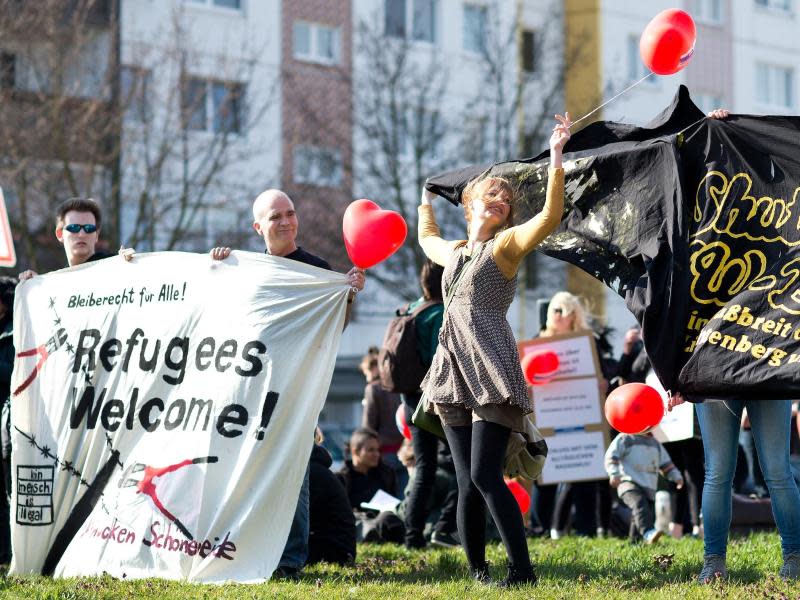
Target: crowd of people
{"points": [[450, 491]]}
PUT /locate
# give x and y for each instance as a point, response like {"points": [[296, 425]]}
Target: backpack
{"points": [[400, 367]]}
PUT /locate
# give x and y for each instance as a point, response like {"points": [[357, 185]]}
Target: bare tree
{"points": [[78, 122], [183, 137], [401, 131], [58, 123]]}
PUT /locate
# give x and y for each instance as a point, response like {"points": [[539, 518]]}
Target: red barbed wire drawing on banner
{"points": [[43, 351], [148, 482]]}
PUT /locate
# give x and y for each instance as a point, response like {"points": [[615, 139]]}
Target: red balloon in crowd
{"points": [[540, 366], [634, 408], [667, 43], [371, 235], [400, 421], [521, 495]]}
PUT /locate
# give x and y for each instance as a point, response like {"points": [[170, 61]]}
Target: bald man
{"points": [[275, 220]]}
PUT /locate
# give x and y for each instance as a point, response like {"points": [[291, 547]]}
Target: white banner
{"points": [[574, 456], [567, 403], [569, 409], [164, 413]]}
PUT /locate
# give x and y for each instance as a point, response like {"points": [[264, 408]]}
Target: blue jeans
{"points": [[770, 422], [295, 553]]}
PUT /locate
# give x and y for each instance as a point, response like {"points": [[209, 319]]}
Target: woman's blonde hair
{"points": [[569, 305], [490, 190]]}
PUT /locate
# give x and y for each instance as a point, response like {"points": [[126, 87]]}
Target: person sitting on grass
{"points": [[363, 475], [633, 462]]}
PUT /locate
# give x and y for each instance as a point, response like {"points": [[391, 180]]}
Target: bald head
{"points": [[275, 220], [267, 200]]}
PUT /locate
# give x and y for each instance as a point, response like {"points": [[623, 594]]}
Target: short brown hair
{"points": [[430, 278], [79, 205], [360, 437], [490, 189], [370, 360]]}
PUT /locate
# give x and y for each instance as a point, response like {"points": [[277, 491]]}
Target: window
{"points": [[317, 166], [424, 20], [774, 86], [8, 71], [213, 105], [228, 106], [134, 82], [476, 138], [636, 68], [531, 144], [233, 4], [316, 43], [528, 51], [413, 19], [474, 28], [193, 103], [707, 11], [783, 5], [708, 101], [395, 18]]}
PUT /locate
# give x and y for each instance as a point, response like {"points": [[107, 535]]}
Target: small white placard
{"points": [[567, 403], [574, 456], [574, 354], [381, 501], [677, 424]]}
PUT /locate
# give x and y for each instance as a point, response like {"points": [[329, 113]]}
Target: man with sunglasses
{"points": [[78, 229]]}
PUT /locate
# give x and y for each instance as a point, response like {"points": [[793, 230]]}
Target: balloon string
{"points": [[609, 101]]}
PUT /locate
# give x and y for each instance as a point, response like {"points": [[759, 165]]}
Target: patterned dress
{"points": [[477, 361]]}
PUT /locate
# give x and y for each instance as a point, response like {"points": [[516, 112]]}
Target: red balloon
{"points": [[667, 43], [540, 366], [521, 495], [634, 408], [371, 235], [400, 421]]}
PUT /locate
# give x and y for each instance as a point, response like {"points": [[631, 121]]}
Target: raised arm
{"points": [[512, 245], [433, 245]]}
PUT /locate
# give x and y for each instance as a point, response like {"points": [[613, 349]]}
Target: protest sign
{"points": [[569, 409], [163, 413]]}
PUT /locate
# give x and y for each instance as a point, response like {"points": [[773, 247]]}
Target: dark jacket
{"points": [[6, 357], [332, 534], [361, 488], [380, 408]]}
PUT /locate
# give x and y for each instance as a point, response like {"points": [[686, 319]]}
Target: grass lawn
{"points": [[570, 568]]}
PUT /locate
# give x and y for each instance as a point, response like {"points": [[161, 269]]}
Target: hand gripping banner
{"points": [[163, 413]]}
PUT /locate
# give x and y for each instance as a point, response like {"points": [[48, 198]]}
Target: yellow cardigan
{"points": [[511, 245]]}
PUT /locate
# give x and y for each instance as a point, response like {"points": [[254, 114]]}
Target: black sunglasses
{"points": [[76, 227]]}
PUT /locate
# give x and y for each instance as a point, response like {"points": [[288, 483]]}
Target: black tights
{"points": [[478, 453]]}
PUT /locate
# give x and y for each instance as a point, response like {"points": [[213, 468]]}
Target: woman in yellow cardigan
{"points": [[475, 383]]}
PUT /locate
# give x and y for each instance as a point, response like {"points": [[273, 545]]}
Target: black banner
{"points": [[696, 224]]}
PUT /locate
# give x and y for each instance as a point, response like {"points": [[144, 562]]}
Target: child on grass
{"points": [[633, 462]]}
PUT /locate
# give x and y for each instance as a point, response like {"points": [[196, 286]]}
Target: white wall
{"points": [[763, 35], [621, 21]]}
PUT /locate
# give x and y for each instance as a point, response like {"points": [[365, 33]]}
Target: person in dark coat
{"points": [[362, 476], [7, 288], [332, 532]]}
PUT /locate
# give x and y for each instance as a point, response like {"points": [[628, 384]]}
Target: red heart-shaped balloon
{"points": [[371, 234]]}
